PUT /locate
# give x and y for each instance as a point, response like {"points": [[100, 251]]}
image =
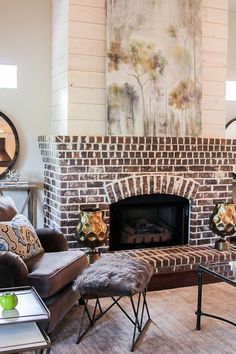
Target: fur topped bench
{"points": [[115, 275]]}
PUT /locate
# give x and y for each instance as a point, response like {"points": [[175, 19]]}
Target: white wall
{"points": [[25, 41], [87, 37], [59, 66], [214, 70], [231, 70]]}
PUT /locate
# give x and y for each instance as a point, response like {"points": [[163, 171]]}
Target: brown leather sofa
{"points": [[51, 273]]}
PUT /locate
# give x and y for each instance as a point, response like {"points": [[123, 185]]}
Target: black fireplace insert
{"points": [[151, 220]]}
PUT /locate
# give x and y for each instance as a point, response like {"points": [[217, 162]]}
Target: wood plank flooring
{"points": [[173, 330]]}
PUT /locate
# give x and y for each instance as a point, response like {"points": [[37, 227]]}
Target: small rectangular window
{"points": [[8, 76], [230, 91]]}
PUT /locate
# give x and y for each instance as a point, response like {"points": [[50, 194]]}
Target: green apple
{"points": [[8, 300]]}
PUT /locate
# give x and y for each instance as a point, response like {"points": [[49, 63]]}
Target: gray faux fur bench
{"points": [[116, 276]]}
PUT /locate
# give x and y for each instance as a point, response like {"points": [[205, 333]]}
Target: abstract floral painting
{"points": [[154, 67]]}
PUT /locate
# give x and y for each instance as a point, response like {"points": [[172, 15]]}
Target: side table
{"points": [[20, 328], [30, 200], [224, 271]]}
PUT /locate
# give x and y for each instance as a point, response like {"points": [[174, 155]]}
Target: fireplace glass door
{"points": [[154, 220]]}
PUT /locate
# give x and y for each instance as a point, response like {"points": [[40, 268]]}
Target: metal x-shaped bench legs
{"points": [[140, 308]]}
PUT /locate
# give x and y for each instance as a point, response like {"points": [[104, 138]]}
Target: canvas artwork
{"points": [[154, 67]]}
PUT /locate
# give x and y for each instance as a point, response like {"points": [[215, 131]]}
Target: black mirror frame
{"points": [[230, 122], [13, 128]]}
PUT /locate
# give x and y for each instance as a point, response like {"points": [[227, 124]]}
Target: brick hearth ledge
{"points": [[181, 258]]}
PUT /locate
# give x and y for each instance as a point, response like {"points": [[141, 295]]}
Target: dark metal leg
{"points": [[145, 302], [120, 307], [92, 318], [99, 305], [139, 322], [81, 300], [199, 301], [41, 351], [136, 325], [86, 311], [138, 311]]}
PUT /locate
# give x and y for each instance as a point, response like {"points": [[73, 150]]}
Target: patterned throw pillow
{"points": [[19, 237]]}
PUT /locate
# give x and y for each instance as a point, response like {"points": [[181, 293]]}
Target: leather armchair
{"points": [[52, 273]]}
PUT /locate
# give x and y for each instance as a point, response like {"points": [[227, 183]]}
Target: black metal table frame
{"points": [[199, 313]]}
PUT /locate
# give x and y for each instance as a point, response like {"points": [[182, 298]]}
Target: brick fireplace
{"points": [[82, 171]]}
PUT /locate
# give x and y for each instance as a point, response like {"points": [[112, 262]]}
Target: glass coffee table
{"points": [[20, 328], [224, 271]]}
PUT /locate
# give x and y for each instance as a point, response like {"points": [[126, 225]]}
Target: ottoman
{"points": [[116, 276]]}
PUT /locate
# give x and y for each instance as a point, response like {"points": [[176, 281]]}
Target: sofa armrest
{"points": [[13, 270], [52, 240]]}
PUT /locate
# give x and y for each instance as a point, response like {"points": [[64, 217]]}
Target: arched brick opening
{"points": [[149, 184]]}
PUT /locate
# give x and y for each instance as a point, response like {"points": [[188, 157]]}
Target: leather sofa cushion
{"points": [[54, 270], [7, 208]]}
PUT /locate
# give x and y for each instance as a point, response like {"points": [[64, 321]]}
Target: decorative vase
{"points": [[222, 223], [91, 231]]}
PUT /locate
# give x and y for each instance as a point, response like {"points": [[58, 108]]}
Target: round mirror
{"points": [[9, 144], [231, 129]]}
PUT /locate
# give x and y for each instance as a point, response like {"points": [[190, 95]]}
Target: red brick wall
{"points": [[95, 171]]}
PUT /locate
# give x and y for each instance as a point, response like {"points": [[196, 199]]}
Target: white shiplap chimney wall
{"points": [[78, 67]]}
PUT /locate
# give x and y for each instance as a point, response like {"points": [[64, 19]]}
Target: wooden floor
{"points": [[173, 330]]}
